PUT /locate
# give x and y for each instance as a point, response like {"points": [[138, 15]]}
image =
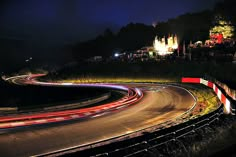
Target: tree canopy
{"points": [[190, 26]]}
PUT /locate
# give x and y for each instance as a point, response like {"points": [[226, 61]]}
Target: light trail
{"points": [[99, 127], [133, 96]]}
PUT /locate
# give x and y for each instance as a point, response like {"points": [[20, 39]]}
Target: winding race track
{"points": [[145, 105]]}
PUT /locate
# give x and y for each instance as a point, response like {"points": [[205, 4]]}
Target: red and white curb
{"points": [[220, 95]]}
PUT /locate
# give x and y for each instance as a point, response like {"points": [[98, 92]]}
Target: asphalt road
{"points": [[159, 104]]}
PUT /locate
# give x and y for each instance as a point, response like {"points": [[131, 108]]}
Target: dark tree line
{"points": [[190, 26], [130, 37]]}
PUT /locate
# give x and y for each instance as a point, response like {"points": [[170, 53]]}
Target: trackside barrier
{"points": [[231, 93], [146, 142], [83, 103], [142, 141], [226, 101]]}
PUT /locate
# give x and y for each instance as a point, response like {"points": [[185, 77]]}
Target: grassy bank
{"points": [[145, 71], [216, 140], [94, 79], [207, 100]]}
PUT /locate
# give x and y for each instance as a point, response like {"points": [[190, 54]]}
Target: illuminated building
{"points": [[163, 48], [222, 30]]}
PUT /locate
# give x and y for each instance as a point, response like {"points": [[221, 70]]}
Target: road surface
{"points": [[159, 104]]}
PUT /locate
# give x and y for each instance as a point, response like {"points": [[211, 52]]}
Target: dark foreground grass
{"points": [[214, 140], [217, 139]]}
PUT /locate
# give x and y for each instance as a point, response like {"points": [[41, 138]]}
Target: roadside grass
{"points": [[118, 80], [217, 140], [207, 101], [148, 70]]}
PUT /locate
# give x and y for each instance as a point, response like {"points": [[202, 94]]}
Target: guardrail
{"points": [[9, 111], [147, 141], [229, 91], [82, 103], [141, 141], [151, 141]]}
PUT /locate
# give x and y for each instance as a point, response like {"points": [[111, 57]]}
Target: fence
{"points": [[148, 140], [158, 138], [228, 91], [131, 145]]}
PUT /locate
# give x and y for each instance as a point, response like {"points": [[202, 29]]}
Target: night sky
{"points": [[72, 20], [40, 28]]}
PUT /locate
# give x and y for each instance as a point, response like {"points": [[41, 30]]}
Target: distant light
{"points": [[154, 24], [29, 59], [116, 55]]}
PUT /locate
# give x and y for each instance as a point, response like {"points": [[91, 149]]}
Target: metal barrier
{"points": [[157, 138], [141, 141], [144, 140], [229, 93], [82, 103], [149, 141], [226, 88]]}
